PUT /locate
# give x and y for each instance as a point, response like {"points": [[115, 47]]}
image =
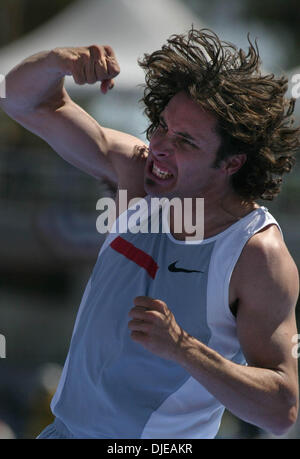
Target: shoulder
{"points": [[267, 251], [267, 287], [266, 271]]}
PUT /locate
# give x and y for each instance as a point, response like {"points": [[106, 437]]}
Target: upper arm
{"points": [[79, 139], [267, 288]]}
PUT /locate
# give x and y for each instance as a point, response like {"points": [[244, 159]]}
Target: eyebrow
{"points": [[182, 134], [186, 135]]}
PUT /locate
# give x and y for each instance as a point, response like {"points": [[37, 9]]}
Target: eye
{"points": [[186, 142], [183, 140]]}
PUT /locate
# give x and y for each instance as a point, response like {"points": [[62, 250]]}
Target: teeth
{"points": [[159, 173]]}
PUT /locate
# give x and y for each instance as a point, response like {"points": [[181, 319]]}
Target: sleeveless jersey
{"points": [[111, 386]]}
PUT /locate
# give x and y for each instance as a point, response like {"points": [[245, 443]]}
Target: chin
{"points": [[156, 190]]}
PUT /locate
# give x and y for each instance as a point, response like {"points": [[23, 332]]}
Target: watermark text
{"points": [[153, 215], [296, 86], [2, 347], [2, 87], [296, 347]]}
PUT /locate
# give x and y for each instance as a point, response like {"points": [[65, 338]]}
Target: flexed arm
{"points": [[36, 98]]}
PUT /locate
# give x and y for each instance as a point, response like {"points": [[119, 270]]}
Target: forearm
{"points": [[256, 395], [36, 79]]}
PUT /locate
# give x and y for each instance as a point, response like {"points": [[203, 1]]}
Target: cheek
{"points": [[191, 170], [188, 164], [187, 175]]}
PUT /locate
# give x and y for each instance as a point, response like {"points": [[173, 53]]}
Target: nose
{"points": [[161, 147], [159, 154]]}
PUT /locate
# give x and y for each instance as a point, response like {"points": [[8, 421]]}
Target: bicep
{"points": [[267, 340], [266, 322]]}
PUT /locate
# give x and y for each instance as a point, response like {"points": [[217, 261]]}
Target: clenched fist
{"points": [[154, 326], [88, 64]]}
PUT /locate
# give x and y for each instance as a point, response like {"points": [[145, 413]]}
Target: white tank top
{"points": [[111, 387]]}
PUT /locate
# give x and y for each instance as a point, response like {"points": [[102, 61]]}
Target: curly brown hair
{"points": [[254, 117]]}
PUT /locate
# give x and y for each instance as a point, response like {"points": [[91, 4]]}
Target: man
{"points": [[166, 325]]}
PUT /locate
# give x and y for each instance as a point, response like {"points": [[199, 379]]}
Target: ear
{"points": [[232, 164]]}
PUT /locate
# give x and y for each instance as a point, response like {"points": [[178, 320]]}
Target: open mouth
{"points": [[160, 172]]}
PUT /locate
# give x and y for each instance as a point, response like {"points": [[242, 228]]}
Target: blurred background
{"points": [[48, 237]]}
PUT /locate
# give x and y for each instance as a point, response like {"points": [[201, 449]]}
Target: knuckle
{"points": [[78, 80], [113, 67], [161, 305], [85, 52], [85, 57], [131, 325], [73, 59], [91, 79], [154, 316], [108, 49], [94, 47]]}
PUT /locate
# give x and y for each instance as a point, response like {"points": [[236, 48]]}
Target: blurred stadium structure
{"points": [[49, 242]]}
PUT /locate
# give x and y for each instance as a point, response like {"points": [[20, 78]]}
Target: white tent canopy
{"points": [[131, 27]]}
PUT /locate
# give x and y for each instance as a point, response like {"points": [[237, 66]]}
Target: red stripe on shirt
{"points": [[136, 255]]}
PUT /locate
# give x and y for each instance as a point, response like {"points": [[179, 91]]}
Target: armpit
{"points": [[140, 152]]}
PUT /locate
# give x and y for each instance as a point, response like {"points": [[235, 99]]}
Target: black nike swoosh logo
{"points": [[173, 269]]}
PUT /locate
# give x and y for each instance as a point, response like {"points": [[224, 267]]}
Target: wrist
{"points": [[56, 64], [187, 346]]}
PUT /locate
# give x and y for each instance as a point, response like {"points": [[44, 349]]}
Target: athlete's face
{"points": [[182, 151]]}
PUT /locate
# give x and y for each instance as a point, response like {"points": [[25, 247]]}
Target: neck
{"points": [[217, 214]]}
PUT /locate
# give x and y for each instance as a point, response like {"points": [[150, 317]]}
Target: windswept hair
{"points": [[254, 117]]}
